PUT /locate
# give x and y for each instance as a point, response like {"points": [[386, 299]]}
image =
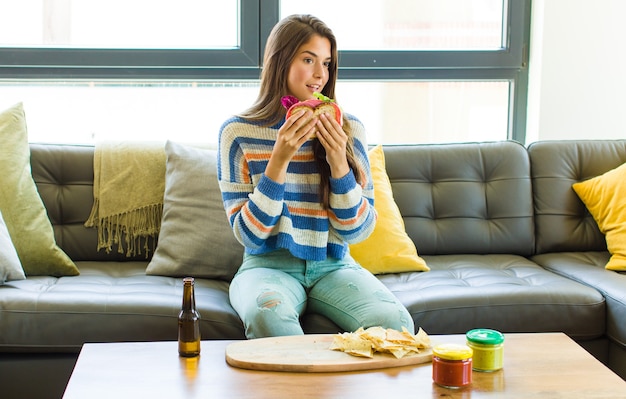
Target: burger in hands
{"points": [[319, 105]]}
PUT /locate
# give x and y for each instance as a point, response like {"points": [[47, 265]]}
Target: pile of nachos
{"points": [[365, 342]]}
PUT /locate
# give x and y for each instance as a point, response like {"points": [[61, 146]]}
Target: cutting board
{"points": [[309, 354]]}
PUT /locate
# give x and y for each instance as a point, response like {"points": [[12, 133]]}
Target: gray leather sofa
{"points": [[509, 244]]}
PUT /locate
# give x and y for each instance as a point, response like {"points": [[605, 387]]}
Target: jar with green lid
{"points": [[452, 365], [488, 348]]}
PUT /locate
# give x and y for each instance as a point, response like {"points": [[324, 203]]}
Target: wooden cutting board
{"points": [[309, 354]]}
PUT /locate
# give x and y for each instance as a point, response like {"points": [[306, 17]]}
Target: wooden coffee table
{"points": [[535, 365]]}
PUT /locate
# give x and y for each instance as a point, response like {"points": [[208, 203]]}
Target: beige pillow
{"points": [[388, 249], [21, 206], [10, 266], [195, 238]]}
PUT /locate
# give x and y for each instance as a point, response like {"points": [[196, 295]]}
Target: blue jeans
{"points": [[271, 291]]}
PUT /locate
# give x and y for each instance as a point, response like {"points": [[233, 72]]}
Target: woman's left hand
{"points": [[334, 139]]}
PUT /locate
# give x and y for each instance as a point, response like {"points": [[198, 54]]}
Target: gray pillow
{"points": [[195, 239], [10, 266]]}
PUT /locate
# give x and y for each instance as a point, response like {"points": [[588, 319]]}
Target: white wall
{"points": [[577, 70]]}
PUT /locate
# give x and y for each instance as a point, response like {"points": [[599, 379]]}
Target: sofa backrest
{"points": [[562, 220], [64, 178], [455, 198], [470, 198]]}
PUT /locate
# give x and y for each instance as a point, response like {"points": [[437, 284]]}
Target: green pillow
{"points": [[21, 206]]}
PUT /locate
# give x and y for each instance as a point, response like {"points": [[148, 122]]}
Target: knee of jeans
{"points": [[391, 314], [269, 300]]}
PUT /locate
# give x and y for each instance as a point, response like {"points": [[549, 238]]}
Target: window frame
{"points": [[510, 63]]}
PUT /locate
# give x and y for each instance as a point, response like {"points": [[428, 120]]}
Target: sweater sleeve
{"points": [[253, 212], [352, 212]]}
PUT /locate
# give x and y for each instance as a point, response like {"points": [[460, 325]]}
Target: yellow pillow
{"points": [[605, 198], [388, 249]]}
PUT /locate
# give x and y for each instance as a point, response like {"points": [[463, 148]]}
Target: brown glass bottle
{"points": [[188, 322]]}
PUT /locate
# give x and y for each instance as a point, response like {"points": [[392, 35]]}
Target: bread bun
{"points": [[319, 105], [318, 109]]}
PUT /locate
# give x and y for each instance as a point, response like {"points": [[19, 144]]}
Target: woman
{"points": [[296, 202]]}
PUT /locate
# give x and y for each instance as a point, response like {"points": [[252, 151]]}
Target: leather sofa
{"points": [[509, 244]]}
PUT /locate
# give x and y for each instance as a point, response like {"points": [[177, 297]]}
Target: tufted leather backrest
{"points": [[472, 198], [64, 178], [562, 220], [455, 198]]}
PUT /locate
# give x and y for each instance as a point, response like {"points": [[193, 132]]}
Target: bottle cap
{"points": [[452, 351], [485, 336]]}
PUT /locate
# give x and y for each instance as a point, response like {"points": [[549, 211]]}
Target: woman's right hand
{"points": [[295, 131]]}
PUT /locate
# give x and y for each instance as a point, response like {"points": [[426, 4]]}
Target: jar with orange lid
{"points": [[452, 365]]}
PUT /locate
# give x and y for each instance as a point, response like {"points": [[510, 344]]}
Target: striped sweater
{"points": [[266, 215]]}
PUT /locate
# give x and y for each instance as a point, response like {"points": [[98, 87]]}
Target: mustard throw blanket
{"points": [[128, 187]]}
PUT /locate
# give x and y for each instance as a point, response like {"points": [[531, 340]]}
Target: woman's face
{"points": [[308, 72]]}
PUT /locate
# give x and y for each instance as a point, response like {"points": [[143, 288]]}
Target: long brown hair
{"points": [[281, 48]]}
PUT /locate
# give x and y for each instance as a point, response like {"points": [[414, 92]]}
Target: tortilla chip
{"points": [[365, 342], [352, 344]]}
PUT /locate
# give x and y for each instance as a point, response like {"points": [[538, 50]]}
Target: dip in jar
{"points": [[488, 348], [452, 365]]}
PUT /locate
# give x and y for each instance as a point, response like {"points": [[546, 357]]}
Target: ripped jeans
{"points": [[271, 291]]}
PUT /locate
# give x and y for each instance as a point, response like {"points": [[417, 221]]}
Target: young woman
{"points": [[296, 202]]}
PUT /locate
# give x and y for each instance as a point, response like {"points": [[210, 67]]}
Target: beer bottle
{"points": [[188, 322]]}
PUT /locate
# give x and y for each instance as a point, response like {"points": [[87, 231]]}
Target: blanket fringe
{"points": [[127, 230]]}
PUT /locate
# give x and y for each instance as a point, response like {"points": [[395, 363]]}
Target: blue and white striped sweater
{"points": [[266, 215]]}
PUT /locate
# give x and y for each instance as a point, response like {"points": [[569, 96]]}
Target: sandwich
{"points": [[319, 105]]}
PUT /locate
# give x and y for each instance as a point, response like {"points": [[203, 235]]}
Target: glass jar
{"points": [[488, 348], [452, 365]]}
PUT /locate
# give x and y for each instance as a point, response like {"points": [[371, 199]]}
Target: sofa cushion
{"points": [[107, 302], [605, 198], [388, 249], [563, 223], [588, 268], [505, 292], [195, 238], [464, 198], [22, 208], [10, 266]]}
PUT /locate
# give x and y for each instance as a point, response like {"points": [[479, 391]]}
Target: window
{"points": [[409, 25], [414, 71], [428, 112], [119, 24]]}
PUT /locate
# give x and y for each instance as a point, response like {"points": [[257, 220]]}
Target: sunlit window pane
{"points": [[393, 112], [179, 24], [88, 112], [428, 112], [408, 24]]}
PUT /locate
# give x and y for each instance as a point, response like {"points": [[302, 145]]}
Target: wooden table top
{"points": [[535, 365]]}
